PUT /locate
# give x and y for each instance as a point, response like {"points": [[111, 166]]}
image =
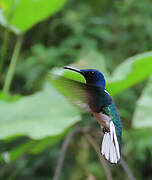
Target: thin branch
{"points": [[63, 152], [96, 147], [127, 169]]}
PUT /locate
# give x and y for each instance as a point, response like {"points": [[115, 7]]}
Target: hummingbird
{"points": [[94, 98]]}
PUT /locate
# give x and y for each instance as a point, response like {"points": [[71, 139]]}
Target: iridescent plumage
{"points": [[111, 111], [93, 96]]}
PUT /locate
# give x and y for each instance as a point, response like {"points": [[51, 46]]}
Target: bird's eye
{"points": [[92, 72]]}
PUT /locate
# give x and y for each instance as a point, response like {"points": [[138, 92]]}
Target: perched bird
{"points": [[93, 96]]}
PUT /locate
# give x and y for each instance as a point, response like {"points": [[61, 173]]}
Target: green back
{"points": [[111, 111]]}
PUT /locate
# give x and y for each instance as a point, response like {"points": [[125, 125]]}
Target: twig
{"points": [[63, 152], [127, 169], [96, 147]]}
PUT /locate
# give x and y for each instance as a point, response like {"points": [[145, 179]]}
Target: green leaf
{"points": [[30, 146], [143, 113], [42, 144], [7, 97], [20, 150], [21, 15], [43, 114], [132, 71]]}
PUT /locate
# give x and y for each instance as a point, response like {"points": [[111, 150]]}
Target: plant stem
{"points": [[127, 169], [63, 152], [103, 163], [4, 49], [12, 65]]}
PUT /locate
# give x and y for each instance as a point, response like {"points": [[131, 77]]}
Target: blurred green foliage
{"points": [[21, 15], [101, 34]]}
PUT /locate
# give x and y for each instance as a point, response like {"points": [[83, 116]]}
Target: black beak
{"points": [[73, 69]]}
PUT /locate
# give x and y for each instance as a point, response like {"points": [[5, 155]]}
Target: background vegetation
{"points": [[38, 36]]}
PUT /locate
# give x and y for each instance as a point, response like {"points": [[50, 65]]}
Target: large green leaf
{"points": [[42, 144], [132, 71], [31, 146], [43, 114], [28, 146], [143, 113], [21, 15], [7, 97]]}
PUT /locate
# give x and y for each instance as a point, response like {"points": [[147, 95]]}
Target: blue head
{"points": [[92, 76]]}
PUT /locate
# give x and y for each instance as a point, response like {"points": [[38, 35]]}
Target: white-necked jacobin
{"points": [[99, 102]]}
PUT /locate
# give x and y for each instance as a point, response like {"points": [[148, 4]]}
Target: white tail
{"points": [[110, 146]]}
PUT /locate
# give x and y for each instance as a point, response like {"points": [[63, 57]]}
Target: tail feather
{"points": [[112, 154], [110, 146]]}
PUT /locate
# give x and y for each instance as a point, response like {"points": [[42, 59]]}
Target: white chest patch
{"points": [[106, 91]]}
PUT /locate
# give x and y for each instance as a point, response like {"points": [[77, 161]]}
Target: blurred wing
{"points": [[81, 94]]}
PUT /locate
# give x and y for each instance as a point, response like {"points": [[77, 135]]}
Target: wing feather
{"points": [[82, 94]]}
